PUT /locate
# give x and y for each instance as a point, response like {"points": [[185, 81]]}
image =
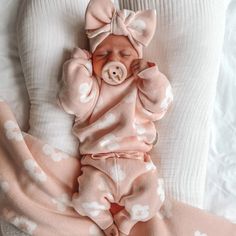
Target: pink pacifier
{"points": [[114, 73]]}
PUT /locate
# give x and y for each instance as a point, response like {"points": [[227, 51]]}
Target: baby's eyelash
{"points": [[125, 54]]}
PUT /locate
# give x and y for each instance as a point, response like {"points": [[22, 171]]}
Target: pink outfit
{"points": [[115, 118]]}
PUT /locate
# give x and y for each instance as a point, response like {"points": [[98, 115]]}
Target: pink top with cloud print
{"points": [[114, 118]]}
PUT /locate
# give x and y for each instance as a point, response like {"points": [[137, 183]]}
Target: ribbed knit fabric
{"points": [[187, 48], [12, 84], [47, 31]]}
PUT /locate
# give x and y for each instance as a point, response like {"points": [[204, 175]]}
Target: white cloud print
{"points": [[110, 142], [85, 95], [198, 233], [34, 170], [93, 208], [4, 186], [117, 173], [140, 131], [150, 165], [168, 98], [62, 202], [55, 156], [160, 189], [139, 212], [24, 224], [12, 131]]}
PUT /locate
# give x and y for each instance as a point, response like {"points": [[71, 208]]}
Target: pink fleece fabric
{"points": [[114, 118], [118, 178]]}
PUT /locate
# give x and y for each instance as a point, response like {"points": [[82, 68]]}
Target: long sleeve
{"points": [[80, 90], [154, 93]]}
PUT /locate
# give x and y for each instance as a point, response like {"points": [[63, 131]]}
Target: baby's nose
{"points": [[113, 57]]}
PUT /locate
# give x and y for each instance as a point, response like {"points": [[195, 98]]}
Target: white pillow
{"points": [[12, 84], [47, 32], [187, 47]]}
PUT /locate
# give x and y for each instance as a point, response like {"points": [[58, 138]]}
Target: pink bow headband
{"points": [[102, 19]]}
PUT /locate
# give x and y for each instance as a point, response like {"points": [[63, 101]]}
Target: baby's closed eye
{"points": [[102, 54], [125, 53]]}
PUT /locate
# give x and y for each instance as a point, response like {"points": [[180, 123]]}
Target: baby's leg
{"points": [[94, 197], [142, 203]]}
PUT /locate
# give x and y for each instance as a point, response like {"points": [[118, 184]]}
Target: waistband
{"points": [[128, 155]]}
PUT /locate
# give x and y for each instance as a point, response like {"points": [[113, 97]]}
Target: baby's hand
{"points": [[80, 53], [111, 231], [139, 65]]}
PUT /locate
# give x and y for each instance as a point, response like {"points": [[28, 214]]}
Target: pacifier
{"points": [[114, 73]]}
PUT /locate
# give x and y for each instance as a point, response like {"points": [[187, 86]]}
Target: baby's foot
{"points": [[111, 231]]}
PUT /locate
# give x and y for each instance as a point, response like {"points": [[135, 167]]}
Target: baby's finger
{"points": [[135, 62], [136, 67]]}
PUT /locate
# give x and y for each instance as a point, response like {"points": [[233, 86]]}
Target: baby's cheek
{"points": [[128, 66], [97, 68]]}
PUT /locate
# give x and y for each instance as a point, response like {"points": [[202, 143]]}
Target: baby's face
{"points": [[114, 48]]}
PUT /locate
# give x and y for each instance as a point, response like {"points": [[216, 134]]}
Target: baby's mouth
{"points": [[114, 73]]}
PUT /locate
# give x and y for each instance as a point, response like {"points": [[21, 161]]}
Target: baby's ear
{"points": [[80, 53]]}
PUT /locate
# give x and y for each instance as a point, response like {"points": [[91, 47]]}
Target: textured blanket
{"points": [[37, 182]]}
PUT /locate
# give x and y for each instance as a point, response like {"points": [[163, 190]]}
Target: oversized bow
{"points": [[102, 19]]}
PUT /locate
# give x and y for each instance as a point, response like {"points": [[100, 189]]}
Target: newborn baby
{"points": [[116, 96]]}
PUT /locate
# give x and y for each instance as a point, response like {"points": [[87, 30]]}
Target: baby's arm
{"points": [[154, 90], [80, 90]]}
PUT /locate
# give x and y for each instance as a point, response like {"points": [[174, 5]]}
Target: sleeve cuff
{"points": [[149, 72]]}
